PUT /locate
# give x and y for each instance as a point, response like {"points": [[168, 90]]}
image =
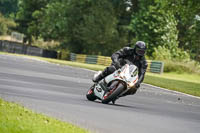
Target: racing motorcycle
{"points": [[114, 85]]}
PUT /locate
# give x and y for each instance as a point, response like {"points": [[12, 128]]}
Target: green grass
{"points": [[187, 83], [195, 78], [17, 119], [192, 88]]}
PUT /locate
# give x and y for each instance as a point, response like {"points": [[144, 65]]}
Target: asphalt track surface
{"points": [[59, 91]]}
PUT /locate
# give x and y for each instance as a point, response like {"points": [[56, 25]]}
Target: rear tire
{"points": [[116, 90], [90, 94]]}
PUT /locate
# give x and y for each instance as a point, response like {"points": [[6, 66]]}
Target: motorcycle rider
{"points": [[134, 55]]}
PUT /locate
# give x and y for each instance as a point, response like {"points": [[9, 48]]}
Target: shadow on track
{"points": [[113, 105]]}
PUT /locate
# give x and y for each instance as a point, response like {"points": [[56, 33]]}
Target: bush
{"points": [[180, 55], [65, 54], [161, 53], [175, 54], [176, 60], [49, 45], [156, 27], [6, 25], [181, 67]]}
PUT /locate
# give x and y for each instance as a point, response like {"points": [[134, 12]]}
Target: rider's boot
{"points": [[101, 75], [98, 77]]}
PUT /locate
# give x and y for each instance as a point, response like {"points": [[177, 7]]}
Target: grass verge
{"points": [[191, 88], [195, 78], [17, 119], [186, 83]]}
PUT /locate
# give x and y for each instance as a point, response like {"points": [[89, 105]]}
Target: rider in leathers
{"points": [[134, 55]]}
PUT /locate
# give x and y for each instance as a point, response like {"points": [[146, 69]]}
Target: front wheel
{"points": [[90, 94], [115, 91]]}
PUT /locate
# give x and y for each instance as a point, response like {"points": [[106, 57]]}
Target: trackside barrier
{"points": [[20, 48], [153, 66], [72, 57], [103, 60], [91, 59]]}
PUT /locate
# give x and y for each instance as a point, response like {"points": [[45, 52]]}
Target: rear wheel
{"points": [[90, 94], [116, 89]]}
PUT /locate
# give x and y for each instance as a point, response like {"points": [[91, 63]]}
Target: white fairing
{"points": [[99, 92], [128, 74]]}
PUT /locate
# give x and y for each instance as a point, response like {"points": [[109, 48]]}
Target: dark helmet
{"points": [[140, 48]]}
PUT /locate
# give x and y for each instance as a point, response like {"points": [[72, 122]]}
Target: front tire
{"points": [[90, 94], [116, 90]]}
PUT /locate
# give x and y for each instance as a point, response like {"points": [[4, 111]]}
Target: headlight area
{"points": [[130, 84]]}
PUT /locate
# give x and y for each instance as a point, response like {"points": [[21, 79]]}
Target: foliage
{"points": [[50, 45], [8, 7], [82, 26], [193, 39], [176, 62], [123, 11], [156, 27], [162, 53], [176, 54], [6, 25], [187, 13], [181, 67], [102, 27], [28, 25], [64, 54]]}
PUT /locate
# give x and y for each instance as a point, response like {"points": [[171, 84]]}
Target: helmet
{"points": [[140, 48]]}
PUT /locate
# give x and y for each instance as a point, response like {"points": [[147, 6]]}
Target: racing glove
{"points": [[117, 65], [137, 85]]}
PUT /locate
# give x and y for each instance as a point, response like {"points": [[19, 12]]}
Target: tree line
{"points": [[170, 28]]}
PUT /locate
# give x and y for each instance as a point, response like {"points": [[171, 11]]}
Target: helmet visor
{"points": [[140, 52]]}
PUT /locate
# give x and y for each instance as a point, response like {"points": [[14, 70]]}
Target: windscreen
{"points": [[133, 70]]}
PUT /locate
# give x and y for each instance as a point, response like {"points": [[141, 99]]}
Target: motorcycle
{"points": [[114, 85]]}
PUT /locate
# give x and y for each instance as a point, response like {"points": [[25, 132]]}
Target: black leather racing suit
{"points": [[129, 54]]}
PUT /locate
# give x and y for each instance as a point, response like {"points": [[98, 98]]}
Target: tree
{"points": [[27, 23], [155, 26], [8, 7], [6, 25], [123, 11], [102, 26], [187, 13], [82, 26]]}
